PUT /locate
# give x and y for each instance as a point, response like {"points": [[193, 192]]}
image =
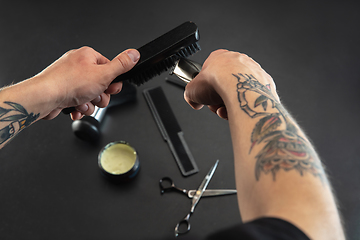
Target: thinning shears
{"points": [[195, 195]]}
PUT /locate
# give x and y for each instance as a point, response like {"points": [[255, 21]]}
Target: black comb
{"points": [[162, 53]]}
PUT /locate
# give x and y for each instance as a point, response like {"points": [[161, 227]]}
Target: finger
{"points": [[76, 115], [114, 88], [194, 105], [102, 100], [86, 108], [213, 108], [219, 110], [123, 62], [222, 112], [200, 92]]}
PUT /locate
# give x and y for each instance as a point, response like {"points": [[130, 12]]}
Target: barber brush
{"points": [[162, 53]]}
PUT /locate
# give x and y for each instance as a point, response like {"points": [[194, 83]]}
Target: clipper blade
{"points": [[185, 69]]}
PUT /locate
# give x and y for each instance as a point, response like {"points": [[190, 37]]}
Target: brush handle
{"points": [[68, 110]]}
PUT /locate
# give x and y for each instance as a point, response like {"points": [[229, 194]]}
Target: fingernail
{"points": [[96, 100], [82, 108], [134, 55], [117, 91]]}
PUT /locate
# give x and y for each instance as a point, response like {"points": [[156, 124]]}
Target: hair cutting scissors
{"points": [[167, 184], [195, 195]]}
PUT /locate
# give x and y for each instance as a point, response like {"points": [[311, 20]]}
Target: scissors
{"points": [[196, 195], [167, 184]]}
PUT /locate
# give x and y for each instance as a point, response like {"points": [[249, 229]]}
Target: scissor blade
{"points": [[203, 186], [212, 192]]}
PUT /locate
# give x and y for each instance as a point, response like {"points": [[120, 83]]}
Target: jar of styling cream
{"points": [[119, 161]]}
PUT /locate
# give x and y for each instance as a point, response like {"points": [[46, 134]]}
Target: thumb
{"points": [[124, 61]]}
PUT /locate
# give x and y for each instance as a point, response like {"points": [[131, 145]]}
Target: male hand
{"points": [[208, 87], [82, 79]]}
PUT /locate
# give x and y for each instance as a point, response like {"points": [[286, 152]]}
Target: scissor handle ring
{"points": [[185, 222], [166, 179]]}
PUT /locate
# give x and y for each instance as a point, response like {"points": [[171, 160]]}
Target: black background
{"points": [[49, 181]]}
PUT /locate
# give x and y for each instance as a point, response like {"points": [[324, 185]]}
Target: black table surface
{"points": [[50, 183]]}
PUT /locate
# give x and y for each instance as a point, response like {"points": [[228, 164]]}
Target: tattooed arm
{"points": [[278, 173], [80, 78]]}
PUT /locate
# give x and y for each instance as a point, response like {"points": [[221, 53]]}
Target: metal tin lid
{"points": [[119, 161]]}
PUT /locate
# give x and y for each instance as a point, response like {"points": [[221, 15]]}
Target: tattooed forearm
{"points": [[15, 118], [284, 148]]}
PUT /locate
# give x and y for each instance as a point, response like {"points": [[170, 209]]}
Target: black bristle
{"points": [[189, 50]]}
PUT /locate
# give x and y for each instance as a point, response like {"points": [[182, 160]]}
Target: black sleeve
{"points": [[261, 229]]}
